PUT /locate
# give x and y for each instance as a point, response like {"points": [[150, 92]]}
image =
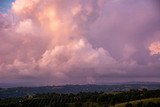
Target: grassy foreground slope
{"points": [[138, 103]]}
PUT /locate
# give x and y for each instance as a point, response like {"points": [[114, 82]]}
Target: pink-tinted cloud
{"points": [[65, 46], [154, 48], [91, 41]]}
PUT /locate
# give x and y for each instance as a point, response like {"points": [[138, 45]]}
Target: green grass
{"points": [[144, 101], [86, 104]]}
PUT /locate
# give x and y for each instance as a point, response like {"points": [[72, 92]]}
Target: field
{"points": [[136, 102]]}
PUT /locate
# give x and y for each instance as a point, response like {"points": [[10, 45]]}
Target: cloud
{"points": [[67, 48], [91, 41], [154, 48], [25, 27]]}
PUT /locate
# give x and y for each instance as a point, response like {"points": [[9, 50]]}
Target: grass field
{"points": [[144, 101], [87, 104]]}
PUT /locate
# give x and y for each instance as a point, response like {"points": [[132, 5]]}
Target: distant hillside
{"points": [[25, 91], [132, 98]]}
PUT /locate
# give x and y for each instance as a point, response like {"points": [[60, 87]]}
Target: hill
{"points": [[150, 102], [25, 91], [132, 98]]}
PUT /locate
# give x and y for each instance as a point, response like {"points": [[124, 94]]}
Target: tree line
{"points": [[82, 99]]}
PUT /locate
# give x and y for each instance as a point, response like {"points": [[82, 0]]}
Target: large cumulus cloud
{"points": [[80, 41]]}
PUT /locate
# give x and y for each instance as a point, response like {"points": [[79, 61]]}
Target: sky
{"points": [[5, 5], [58, 42]]}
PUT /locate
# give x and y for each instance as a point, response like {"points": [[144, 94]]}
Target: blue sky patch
{"points": [[5, 5]]}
